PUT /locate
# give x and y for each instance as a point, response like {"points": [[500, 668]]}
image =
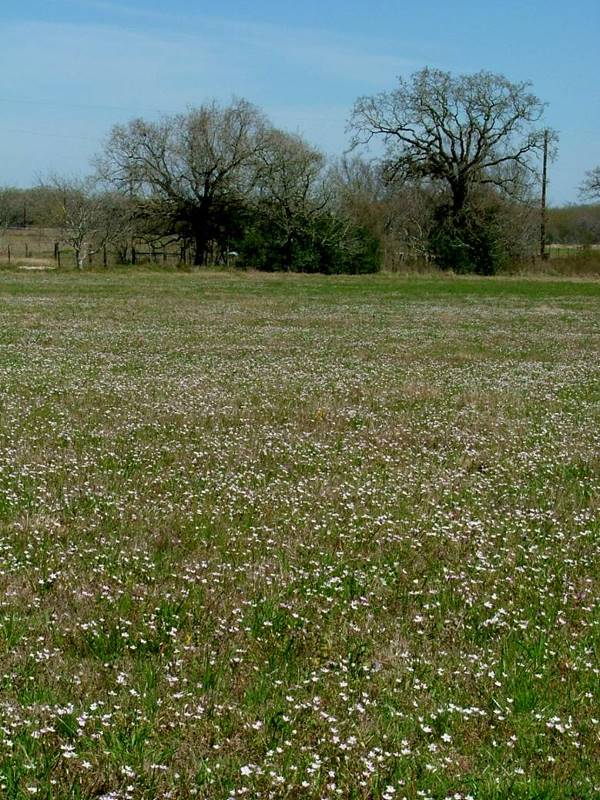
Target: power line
{"points": [[48, 133], [89, 106]]}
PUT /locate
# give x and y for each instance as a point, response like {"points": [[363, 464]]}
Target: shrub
{"points": [[322, 243], [467, 242]]}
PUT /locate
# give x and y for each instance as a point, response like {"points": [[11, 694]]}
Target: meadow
{"points": [[277, 536]]}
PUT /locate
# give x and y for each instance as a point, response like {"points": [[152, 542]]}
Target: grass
{"points": [[296, 537], [565, 261]]}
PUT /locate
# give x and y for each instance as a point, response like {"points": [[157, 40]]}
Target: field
{"points": [[297, 537]]}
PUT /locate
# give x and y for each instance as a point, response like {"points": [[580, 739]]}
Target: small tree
{"points": [[11, 208], [360, 193], [396, 212], [289, 190], [87, 219]]}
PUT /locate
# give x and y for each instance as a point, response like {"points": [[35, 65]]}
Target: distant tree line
{"points": [[574, 224], [579, 223], [454, 180]]}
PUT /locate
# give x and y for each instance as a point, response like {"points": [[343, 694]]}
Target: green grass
{"points": [[277, 536]]}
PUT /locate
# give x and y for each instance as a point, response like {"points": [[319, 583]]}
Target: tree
{"points": [[590, 188], [462, 131], [360, 193], [87, 219], [11, 208], [397, 212], [574, 224], [292, 220], [290, 190], [190, 169], [459, 132]]}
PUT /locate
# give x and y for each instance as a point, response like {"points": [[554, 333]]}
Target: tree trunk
{"points": [[201, 241], [459, 196], [288, 253]]}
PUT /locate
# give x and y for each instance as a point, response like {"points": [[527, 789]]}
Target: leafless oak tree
{"points": [[461, 131]]}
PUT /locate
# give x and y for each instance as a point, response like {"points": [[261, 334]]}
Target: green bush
{"points": [[467, 242], [323, 243]]}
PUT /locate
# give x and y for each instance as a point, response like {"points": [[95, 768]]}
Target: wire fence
{"points": [[60, 255], [40, 248]]}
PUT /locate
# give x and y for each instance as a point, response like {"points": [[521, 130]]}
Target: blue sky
{"points": [[70, 70]]}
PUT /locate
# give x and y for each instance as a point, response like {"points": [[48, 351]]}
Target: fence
{"points": [[41, 246], [64, 256]]}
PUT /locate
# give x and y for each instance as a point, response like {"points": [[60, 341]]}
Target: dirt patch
{"points": [[34, 264]]}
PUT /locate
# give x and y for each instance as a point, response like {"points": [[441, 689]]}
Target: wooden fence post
{"points": [[8, 253]]}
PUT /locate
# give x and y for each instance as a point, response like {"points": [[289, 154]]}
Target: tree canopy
{"points": [[462, 131], [191, 168]]}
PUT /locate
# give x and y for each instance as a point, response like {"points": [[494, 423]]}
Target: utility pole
{"points": [[543, 253]]}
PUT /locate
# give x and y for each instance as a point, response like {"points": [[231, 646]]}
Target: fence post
{"points": [[132, 254], [26, 250], [57, 255], [104, 256], [8, 253]]}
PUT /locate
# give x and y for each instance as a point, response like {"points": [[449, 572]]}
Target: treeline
{"points": [[574, 224], [455, 183], [218, 185]]}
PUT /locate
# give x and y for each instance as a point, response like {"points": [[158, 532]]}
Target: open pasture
{"points": [[297, 537]]}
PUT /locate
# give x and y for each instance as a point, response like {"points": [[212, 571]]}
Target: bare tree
{"points": [[360, 192], [590, 188], [290, 185], [86, 218], [397, 212], [190, 168], [460, 131]]}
